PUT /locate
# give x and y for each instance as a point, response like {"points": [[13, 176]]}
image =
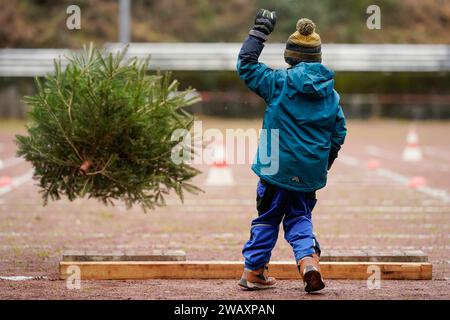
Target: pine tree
{"points": [[102, 128]]}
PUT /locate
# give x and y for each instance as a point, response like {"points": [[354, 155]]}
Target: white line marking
{"points": [[433, 192], [211, 202], [325, 217], [410, 209], [334, 247], [22, 278], [17, 182], [384, 236], [437, 152], [7, 163], [397, 177], [377, 152], [350, 161], [401, 179], [374, 151]]}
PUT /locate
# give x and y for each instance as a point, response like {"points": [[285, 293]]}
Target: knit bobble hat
{"points": [[303, 45]]}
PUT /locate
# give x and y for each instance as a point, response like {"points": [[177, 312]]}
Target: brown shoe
{"points": [[256, 279], [310, 273]]}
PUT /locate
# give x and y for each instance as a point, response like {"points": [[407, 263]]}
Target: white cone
{"points": [[412, 152], [219, 175]]}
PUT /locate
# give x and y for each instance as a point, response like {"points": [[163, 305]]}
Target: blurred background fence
{"points": [[211, 68], [222, 57]]}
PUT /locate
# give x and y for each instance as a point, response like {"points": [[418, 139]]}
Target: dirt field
{"points": [[359, 208]]}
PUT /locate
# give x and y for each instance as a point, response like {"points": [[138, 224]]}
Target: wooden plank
{"points": [[132, 270], [152, 255], [373, 256]]}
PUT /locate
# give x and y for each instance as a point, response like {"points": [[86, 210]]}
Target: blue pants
{"points": [[274, 205]]}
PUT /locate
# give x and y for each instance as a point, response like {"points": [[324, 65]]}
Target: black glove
{"points": [[264, 23]]}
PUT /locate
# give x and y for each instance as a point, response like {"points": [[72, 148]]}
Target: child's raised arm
{"points": [[257, 76]]}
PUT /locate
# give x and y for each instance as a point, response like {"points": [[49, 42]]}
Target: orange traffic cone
{"points": [[417, 182], [412, 152], [219, 174], [373, 164], [5, 181]]}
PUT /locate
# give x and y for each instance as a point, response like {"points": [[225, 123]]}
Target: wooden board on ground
{"points": [[373, 256], [134, 270], [153, 255]]}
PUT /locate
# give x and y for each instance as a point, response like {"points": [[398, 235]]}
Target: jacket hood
{"points": [[311, 79]]}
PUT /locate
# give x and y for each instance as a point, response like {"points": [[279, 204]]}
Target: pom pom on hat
{"points": [[305, 26]]}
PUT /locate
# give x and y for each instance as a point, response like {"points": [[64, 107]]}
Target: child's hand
{"points": [[265, 21]]}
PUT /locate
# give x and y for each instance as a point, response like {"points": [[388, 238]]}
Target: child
{"points": [[303, 110]]}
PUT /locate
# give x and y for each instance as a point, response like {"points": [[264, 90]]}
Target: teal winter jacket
{"points": [[303, 127]]}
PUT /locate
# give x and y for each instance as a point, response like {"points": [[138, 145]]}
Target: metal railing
{"points": [[222, 56]]}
